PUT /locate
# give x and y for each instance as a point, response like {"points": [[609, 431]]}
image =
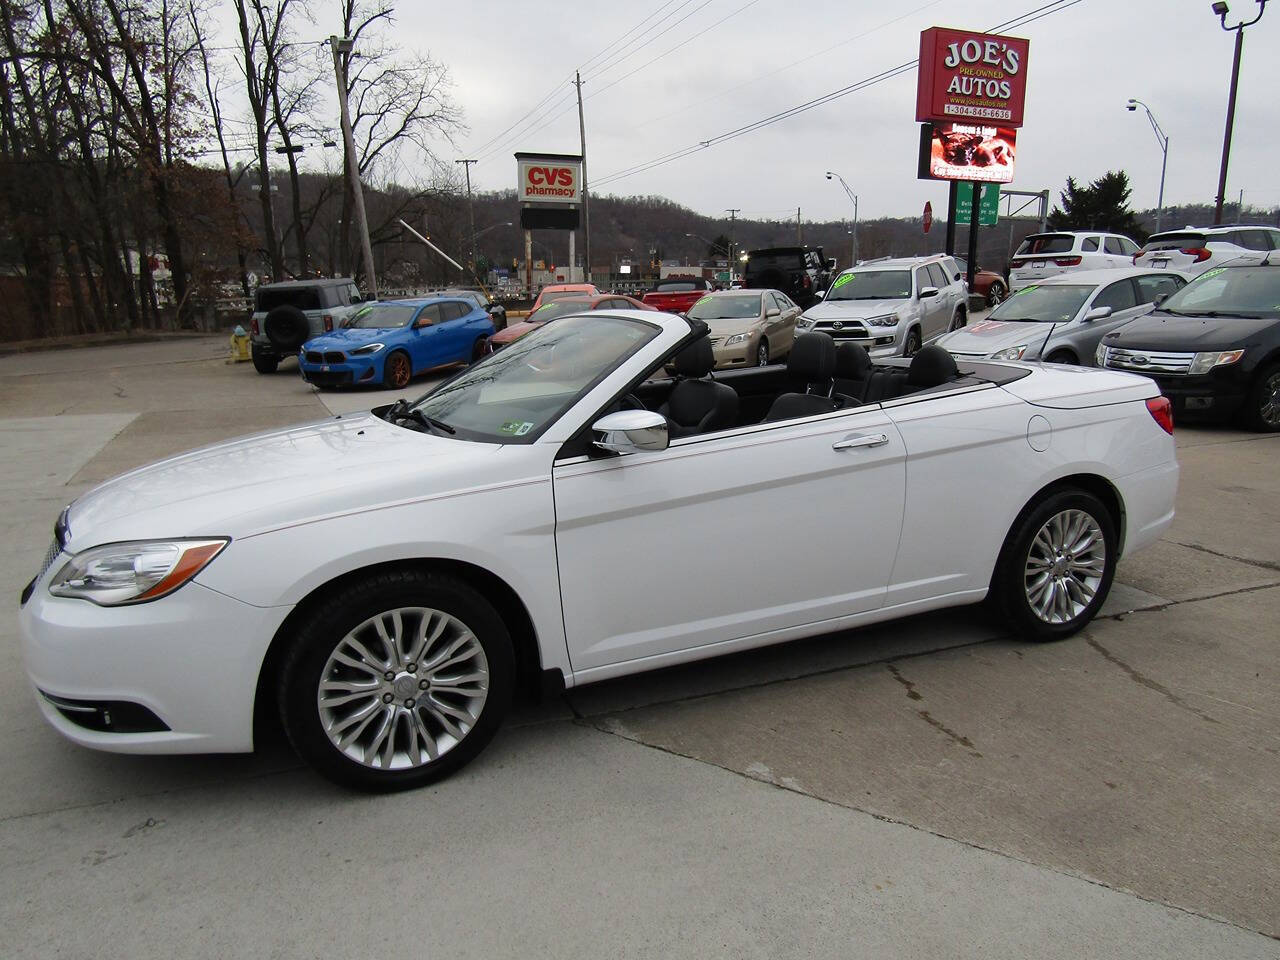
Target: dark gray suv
{"points": [[287, 315]]}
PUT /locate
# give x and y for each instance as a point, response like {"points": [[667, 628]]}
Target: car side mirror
{"points": [[1097, 313], [772, 312], [927, 292], [820, 295], [630, 431], [1160, 299]]}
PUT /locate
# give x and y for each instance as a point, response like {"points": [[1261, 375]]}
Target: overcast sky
{"points": [[1084, 63]]}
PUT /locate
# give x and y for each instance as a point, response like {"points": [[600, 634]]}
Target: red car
{"points": [[558, 291], [559, 308], [988, 283], [677, 294]]}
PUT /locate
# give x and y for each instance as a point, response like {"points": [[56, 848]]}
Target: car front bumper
{"points": [[735, 355], [1216, 396], [191, 659], [352, 371]]}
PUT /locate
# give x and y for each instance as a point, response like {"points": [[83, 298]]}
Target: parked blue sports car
{"points": [[389, 342]]}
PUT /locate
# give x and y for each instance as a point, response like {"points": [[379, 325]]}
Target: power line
{"points": [[640, 40], [1056, 6]]}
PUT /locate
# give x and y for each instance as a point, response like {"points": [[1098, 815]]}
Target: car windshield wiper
{"points": [[1255, 315], [401, 411]]}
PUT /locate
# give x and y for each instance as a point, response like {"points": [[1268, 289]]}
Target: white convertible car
{"points": [[388, 582]]}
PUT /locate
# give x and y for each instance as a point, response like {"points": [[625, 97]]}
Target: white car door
{"points": [[732, 539]]}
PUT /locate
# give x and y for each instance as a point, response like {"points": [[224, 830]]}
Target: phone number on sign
{"points": [[989, 113]]}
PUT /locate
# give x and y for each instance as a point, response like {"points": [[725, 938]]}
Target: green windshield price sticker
{"points": [[1211, 273], [1023, 290], [842, 280], [702, 301]]}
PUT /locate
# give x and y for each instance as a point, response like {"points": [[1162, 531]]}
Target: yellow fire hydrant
{"points": [[239, 345]]}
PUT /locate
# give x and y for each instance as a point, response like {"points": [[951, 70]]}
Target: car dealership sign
{"points": [[971, 76], [549, 178]]}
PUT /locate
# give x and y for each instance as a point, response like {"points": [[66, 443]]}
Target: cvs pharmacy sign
{"points": [[549, 178]]}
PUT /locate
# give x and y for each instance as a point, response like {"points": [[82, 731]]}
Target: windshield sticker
{"points": [[1211, 273], [702, 301], [842, 280], [1022, 290], [516, 428]]}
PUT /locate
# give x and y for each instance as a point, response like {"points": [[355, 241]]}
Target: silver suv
{"points": [[287, 315], [892, 307]]}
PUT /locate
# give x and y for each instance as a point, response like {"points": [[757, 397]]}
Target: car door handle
{"points": [[869, 440]]}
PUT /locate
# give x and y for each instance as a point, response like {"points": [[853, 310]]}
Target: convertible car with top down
{"points": [[559, 513]]}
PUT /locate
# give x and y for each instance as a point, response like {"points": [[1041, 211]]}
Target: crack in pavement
{"points": [[927, 717], [1264, 564], [1145, 681]]}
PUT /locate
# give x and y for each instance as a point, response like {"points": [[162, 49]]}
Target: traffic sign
{"points": [[988, 209], [928, 216]]}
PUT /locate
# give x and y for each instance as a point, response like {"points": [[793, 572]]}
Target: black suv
{"points": [[799, 272], [1214, 346]]}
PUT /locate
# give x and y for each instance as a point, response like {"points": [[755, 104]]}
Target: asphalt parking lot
{"points": [[921, 789]]}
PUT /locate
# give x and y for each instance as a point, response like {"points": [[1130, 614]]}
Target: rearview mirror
{"points": [[927, 292], [630, 431], [1097, 313]]}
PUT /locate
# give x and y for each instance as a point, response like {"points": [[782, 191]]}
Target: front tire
{"points": [[996, 294], [396, 680], [1057, 565], [762, 354], [397, 371], [912, 346], [479, 348], [1263, 409], [1061, 356]]}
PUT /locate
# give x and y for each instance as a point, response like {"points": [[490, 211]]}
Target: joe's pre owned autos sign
{"points": [[971, 76]]}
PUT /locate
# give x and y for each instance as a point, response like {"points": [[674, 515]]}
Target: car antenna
{"points": [[1045, 346]]}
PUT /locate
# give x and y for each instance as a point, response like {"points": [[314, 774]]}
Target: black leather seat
{"points": [[698, 404], [812, 361], [853, 370], [931, 367]]}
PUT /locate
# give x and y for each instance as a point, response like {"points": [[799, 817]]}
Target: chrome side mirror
{"points": [[1097, 313], [630, 431]]}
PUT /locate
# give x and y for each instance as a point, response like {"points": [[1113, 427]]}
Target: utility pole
{"points": [[733, 215], [341, 47], [471, 214], [586, 201], [799, 231]]}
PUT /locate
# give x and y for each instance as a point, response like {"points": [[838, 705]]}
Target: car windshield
{"points": [[1051, 303], [1229, 292], [383, 316], [560, 294], [1047, 243], [513, 395], [738, 307], [872, 285], [559, 308]]}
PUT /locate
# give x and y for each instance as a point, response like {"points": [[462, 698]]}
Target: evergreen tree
{"points": [[1102, 205]]}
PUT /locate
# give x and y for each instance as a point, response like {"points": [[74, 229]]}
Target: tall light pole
{"points": [[1163, 139], [342, 47], [853, 251], [1220, 9]]}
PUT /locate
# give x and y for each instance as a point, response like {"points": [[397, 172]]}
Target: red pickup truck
{"points": [[677, 294]]}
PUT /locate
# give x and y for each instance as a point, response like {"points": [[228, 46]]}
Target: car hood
{"points": [[728, 326], [278, 479], [1166, 331], [514, 331], [349, 337], [845, 309], [988, 336]]}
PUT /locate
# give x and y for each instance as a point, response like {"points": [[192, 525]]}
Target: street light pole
{"points": [[853, 250], [1220, 9], [1163, 139], [471, 212]]}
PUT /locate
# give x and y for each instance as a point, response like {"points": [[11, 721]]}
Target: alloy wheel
{"points": [[403, 688], [1065, 566], [762, 355], [398, 370], [1269, 411], [912, 346], [995, 294]]}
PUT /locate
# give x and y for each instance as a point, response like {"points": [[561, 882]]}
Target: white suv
{"points": [[1194, 250], [891, 306], [1044, 255]]}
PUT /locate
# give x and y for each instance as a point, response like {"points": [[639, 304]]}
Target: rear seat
{"points": [[856, 376]]}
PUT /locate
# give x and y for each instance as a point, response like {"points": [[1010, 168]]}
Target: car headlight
{"points": [[1009, 353], [888, 320], [1204, 362], [367, 349], [135, 572], [804, 323], [737, 338], [1100, 355]]}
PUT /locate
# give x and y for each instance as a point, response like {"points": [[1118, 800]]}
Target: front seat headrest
{"points": [[931, 367], [852, 361], [695, 360], [812, 357]]}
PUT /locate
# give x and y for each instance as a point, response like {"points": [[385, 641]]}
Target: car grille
{"points": [[50, 555], [841, 329], [329, 378], [314, 356], [335, 357], [1147, 361]]}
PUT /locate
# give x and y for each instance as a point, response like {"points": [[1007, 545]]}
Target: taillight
{"points": [[1067, 261], [807, 281], [328, 323], [1162, 413], [1200, 253], [253, 325]]}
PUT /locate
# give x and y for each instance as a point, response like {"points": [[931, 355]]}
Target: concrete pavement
{"points": [[921, 789]]}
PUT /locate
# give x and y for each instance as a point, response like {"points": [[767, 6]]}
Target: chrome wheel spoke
{"points": [[1065, 563], [403, 688]]}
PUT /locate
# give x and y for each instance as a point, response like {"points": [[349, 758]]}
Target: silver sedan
{"points": [[1062, 319]]}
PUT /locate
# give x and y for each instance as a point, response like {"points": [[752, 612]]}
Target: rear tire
{"points": [[447, 695], [1056, 567], [478, 349], [1263, 406], [996, 294], [264, 363]]}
